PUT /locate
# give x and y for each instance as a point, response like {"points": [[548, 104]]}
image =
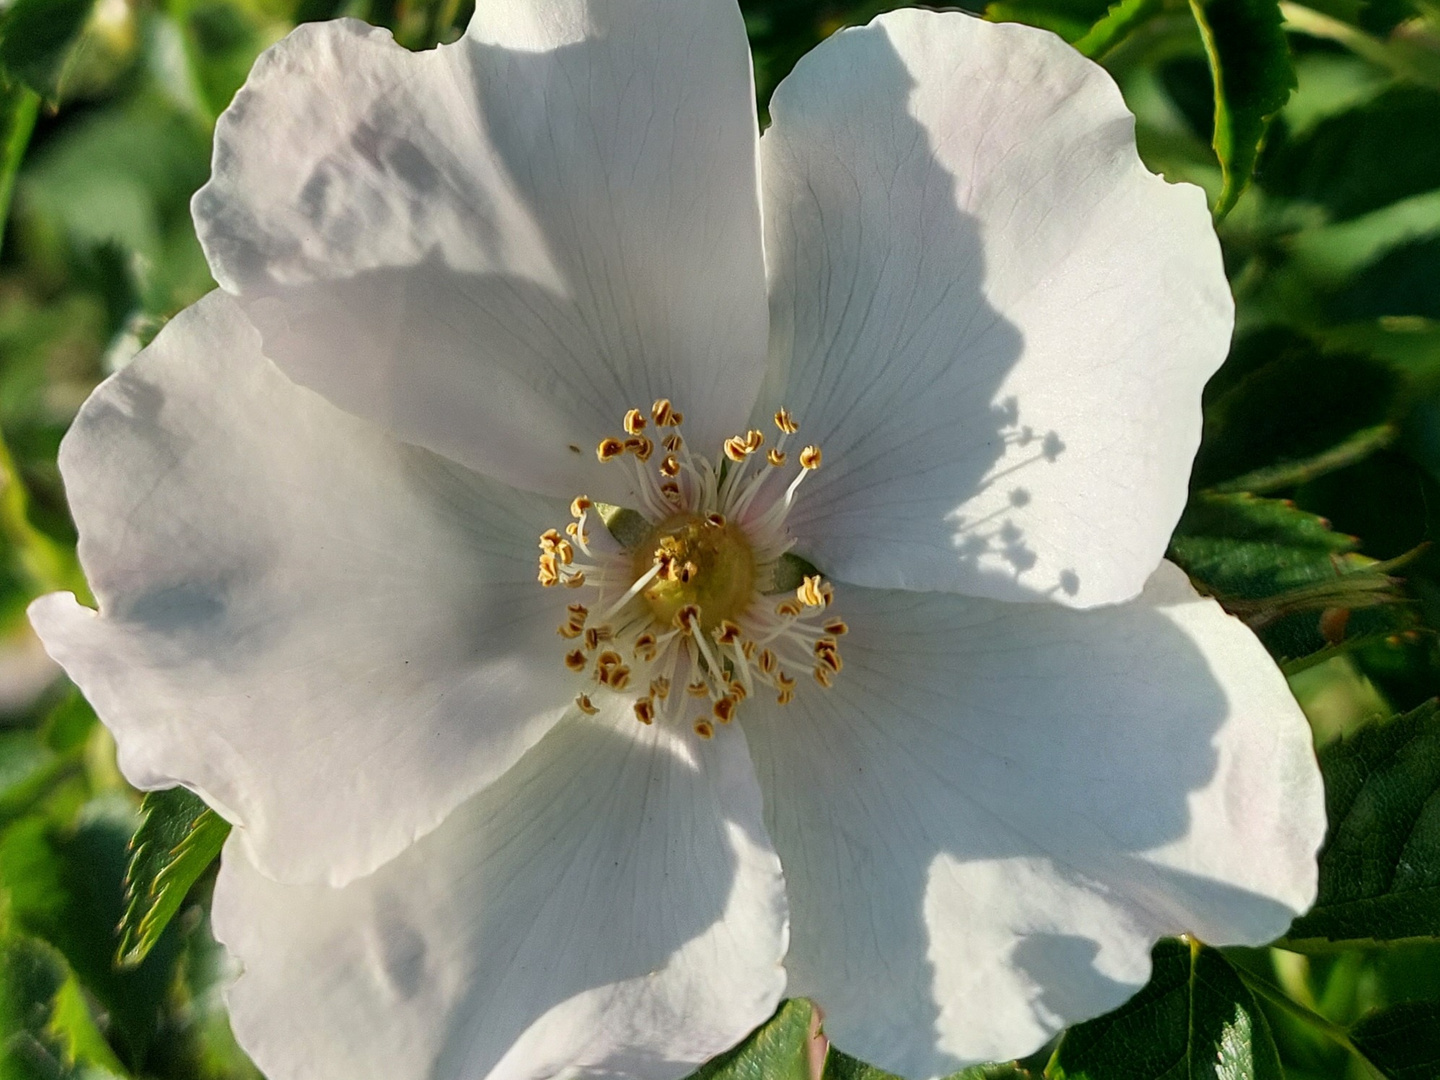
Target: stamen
{"points": [[679, 600]]}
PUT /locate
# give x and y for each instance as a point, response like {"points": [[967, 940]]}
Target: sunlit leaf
{"points": [[777, 1050]]}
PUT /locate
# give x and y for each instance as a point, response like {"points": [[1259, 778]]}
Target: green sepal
{"points": [[179, 837]]}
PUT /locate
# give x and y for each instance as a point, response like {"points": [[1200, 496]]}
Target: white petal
{"points": [[611, 904], [991, 317], [998, 808], [333, 637], [497, 247]]}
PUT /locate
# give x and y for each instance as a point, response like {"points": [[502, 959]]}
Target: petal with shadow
{"points": [[998, 808], [497, 247], [331, 636], [610, 906], [987, 312]]}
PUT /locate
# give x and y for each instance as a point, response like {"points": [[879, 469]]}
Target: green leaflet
{"points": [[177, 841], [1252, 74], [1194, 1020], [1380, 865], [841, 1066], [777, 1050], [1244, 546], [1403, 1041]]}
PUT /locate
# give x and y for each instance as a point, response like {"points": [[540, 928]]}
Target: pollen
{"points": [[687, 594]]}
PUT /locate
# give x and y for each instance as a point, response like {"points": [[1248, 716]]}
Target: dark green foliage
{"points": [[1194, 1020], [1403, 1041], [1380, 866], [37, 39], [1350, 162]]}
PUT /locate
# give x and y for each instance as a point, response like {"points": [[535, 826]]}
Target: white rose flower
{"points": [[471, 295]]}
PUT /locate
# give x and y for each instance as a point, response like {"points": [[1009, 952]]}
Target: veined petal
{"points": [[331, 636], [611, 904], [999, 808], [995, 321], [497, 247]]}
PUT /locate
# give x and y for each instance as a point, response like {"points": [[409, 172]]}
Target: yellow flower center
{"points": [[706, 562], [695, 600]]}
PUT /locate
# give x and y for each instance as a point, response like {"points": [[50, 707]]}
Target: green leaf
{"points": [[1252, 74], [65, 886], [37, 39], [1347, 163], [1243, 546], [1194, 1020], [1380, 864], [177, 841], [1403, 1041], [841, 1066], [1116, 25], [778, 1049], [48, 1027]]}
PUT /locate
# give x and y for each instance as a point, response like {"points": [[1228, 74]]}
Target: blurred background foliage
{"points": [[1315, 130]]}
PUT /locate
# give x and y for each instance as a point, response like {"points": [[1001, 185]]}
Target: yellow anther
{"points": [[660, 687], [548, 539], [671, 490], [789, 608], [578, 614], [810, 457], [754, 440], [640, 446], [768, 662], [735, 448], [634, 422], [827, 651], [664, 414], [645, 648], [586, 705], [823, 676], [777, 457], [609, 449], [785, 422], [738, 692], [728, 632], [575, 580], [687, 618], [595, 635], [815, 591], [698, 688], [747, 649], [838, 627], [549, 570], [673, 442], [576, 661], [704, 729], [724, 709], [786, 686], [717, 520], [670, 465], [581, 504], [645, 711], [565, 552]]}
